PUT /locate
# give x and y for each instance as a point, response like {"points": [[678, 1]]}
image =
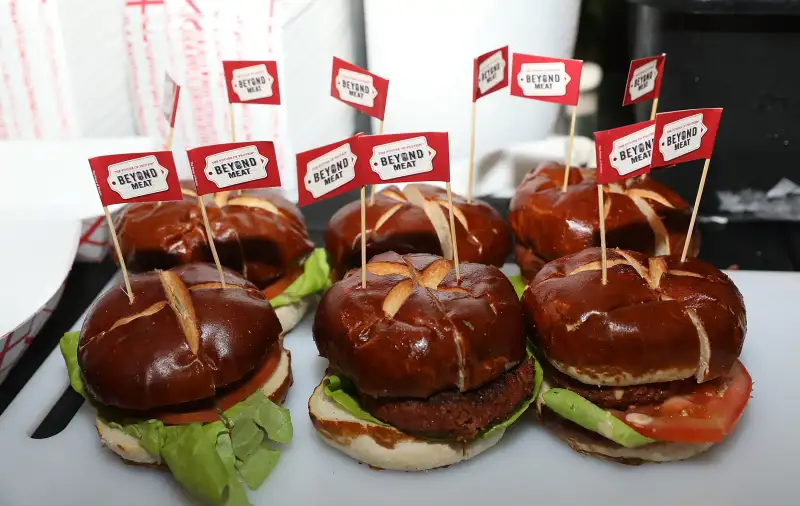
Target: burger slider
{"points": [[424, 371], [645, 367], [257, 233], [187, 378], [416, 219], [640, 215]]}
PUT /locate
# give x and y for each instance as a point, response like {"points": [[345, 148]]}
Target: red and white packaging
{"points": [[358, 88], [169, 101], [490, 73], [548, 79], [136, 177], [683, 136], [403, 158], [624, 152], [644, 79], [252, 82], [234, 166], [327, 171]]}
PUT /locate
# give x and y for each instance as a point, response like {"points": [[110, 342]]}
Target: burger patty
{"points": [[457, 415], [618, 397]]}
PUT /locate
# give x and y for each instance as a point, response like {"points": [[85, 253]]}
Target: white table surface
{"points": [[757, 465]]}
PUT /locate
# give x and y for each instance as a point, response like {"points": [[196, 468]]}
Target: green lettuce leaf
{"points": [[69, 350], [316, 277], [339, 390], [576, 409], [519, 284], [213, 460]]}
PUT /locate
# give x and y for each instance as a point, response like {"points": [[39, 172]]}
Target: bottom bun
{"points": [[384, 447], [595, 445], [291, 315], [128, 448]]}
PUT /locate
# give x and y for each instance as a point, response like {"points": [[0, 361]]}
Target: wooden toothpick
{"points": [[471, 155], [453, 232], [114, 238], [602, 214], [569, 149], [694, 211], [372, 188], [211, 240], [364, 237]]}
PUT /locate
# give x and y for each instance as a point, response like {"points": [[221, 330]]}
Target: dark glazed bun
{"points": [[182, 339], [655, 320], [414, 331], [417, 220], [258, 234], [641, 215]]}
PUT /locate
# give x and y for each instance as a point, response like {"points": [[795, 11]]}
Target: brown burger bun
{"points": [[183, 339], [415, 331], [416, 220], [437, 359], [257, 233], [667, 320], [641, 215]]}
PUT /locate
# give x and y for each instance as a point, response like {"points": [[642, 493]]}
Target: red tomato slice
{"points": [[706, 415]]}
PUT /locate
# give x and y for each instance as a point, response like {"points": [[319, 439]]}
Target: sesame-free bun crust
{"points": [[182, 339], [385, 447], [416, 219], [656, 319], [257, 233], [640, 215], [415, 330]]}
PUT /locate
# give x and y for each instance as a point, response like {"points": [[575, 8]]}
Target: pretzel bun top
{"points": [[640, 215], [415, 331], [257, 233], [655, 320], [182, 339], [417, 220]]}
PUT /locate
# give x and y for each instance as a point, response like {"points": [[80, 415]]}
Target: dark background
{"points": [[737, 54]]}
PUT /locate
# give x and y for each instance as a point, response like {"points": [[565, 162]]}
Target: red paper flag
{"points": [[403, 158], [683, 136], [252, 82], [548, 79], [644, 79], [169, 102], [327, 171], [136, 177], [624, 152], [358, 88], [490, 73], [234, 166]]}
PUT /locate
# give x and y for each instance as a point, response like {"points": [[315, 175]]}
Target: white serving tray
{"points": [[758, 465]]}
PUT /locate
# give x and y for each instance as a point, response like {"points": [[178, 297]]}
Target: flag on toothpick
{"points": [[550, 80], [228, 167], [234, 166], [403, 158], [169, 102], [134, 177], [359, 88], [683, 136], [327, 171], [407, 158], [624, 152], [547, 79], [252, 82], [644, 79], [490, 73]]}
